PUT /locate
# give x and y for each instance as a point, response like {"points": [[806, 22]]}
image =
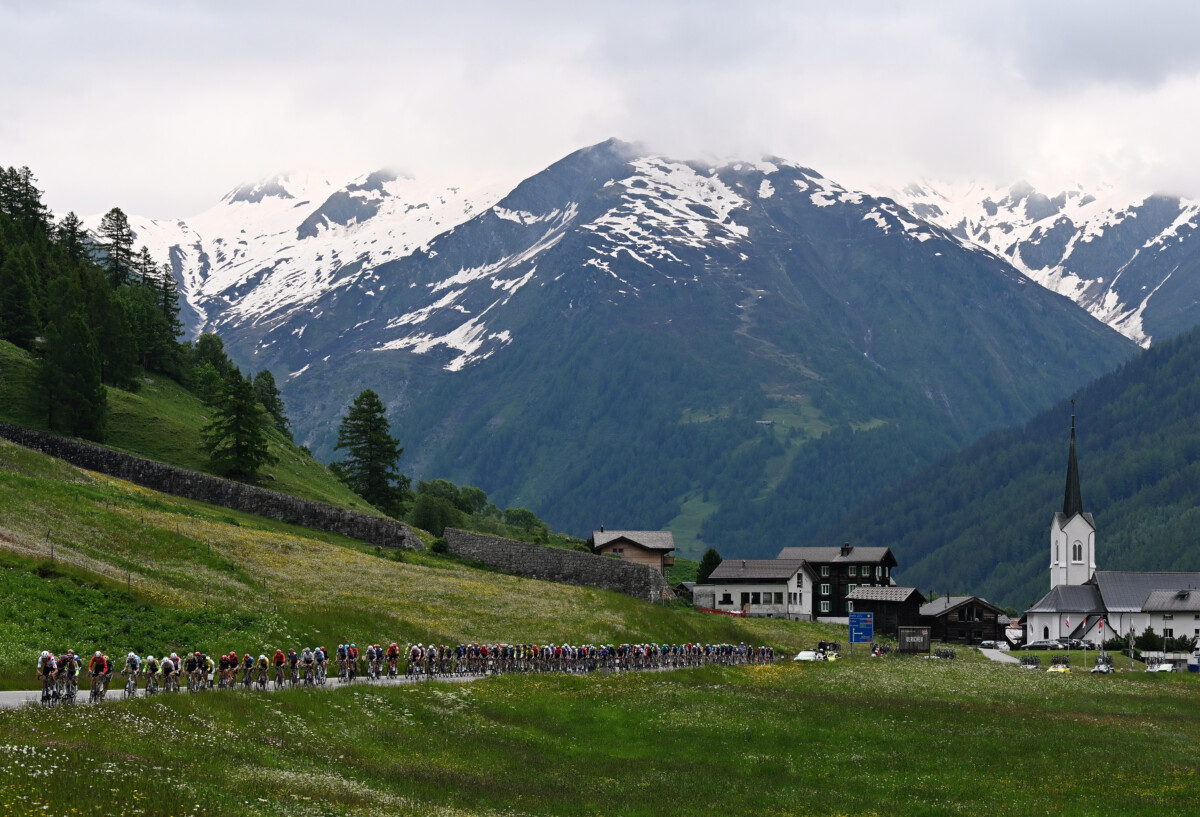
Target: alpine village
{"points": [[640, 482]]}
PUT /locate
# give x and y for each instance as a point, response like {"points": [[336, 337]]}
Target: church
{"points": [[1094, 605]]}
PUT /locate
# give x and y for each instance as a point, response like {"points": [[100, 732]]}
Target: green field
{"points": [[857, 737]]}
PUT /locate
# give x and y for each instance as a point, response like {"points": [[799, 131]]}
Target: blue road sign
{"points": [[862, 628]]}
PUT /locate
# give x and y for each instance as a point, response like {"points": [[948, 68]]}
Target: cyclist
{"points": [[170, 671], [100, 671], [208, 668], [47, 672], [247, 669], [352, 659], [392, 655], [191, 669], [307, 659], [277, 662], [69, 668], [341, 660], [151, 669], [261, 666], [225, 670], [293, 664]]}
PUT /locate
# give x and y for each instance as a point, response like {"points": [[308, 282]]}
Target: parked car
{"points": [[1043, 645], [987, 645]]}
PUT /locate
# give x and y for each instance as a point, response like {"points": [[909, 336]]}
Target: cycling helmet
{"points": [[174, 657], [45, 653], [247, 655], [262, 658], [70, 652], [197, 653], [354, 646], [97, 654], [149, 657], [131, 656]]}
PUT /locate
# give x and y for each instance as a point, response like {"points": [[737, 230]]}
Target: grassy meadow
{"points": [[90, 562], [162, 421], [893, 736]]}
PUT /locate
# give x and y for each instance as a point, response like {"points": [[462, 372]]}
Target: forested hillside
{"points": [[979, 520]]}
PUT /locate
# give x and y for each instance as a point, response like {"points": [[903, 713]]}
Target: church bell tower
{"points": [[1073, 531]]}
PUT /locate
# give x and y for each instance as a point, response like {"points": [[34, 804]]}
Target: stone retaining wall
{"points": [[559, 565], [168, 479]]}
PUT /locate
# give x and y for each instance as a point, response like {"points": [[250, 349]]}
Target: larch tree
{"points": [[234, 438], [372, 454]]}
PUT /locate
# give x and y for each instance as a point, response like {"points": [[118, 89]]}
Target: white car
{"points": [[808, 655], [1165, 666]]}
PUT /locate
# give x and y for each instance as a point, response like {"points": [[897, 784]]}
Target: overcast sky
{"points": [[161, 107]]}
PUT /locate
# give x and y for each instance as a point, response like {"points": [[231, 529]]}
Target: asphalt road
{"points": [[14, 698]]}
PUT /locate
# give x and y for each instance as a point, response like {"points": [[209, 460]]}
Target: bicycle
{"points": [[247, 677], [152, 683], [278, 677], [321, 674], [261, 678], [130, 685], [95, 692], [308, 675], [49, 694], [193, 681]]}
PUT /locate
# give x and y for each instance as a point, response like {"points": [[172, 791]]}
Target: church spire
{"points": [[1072, 499]]}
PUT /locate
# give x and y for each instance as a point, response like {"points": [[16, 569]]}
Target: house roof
{"points": [[662, 540], [757, 569], [1172, 601], [1127, 592], [896, 594], [1070, 598], [945, 604], [855, 554]]}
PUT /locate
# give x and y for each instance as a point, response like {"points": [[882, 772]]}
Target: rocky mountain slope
{"points": [[1134, 264], [747, 350]]}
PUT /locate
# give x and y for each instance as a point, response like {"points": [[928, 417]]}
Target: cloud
{"points": [[161, 108]]}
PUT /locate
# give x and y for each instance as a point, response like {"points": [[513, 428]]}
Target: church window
{"points": [[1045, 633], [1056, 552], [1077, 552]]}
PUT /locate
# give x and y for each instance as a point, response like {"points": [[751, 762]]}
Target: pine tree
{"points": [[18, 305], [370, 466], [69, 379], [146, 268], [117, 239], [168, 300], [234, 438], [72, 237], [268, 397], [709, 562]]}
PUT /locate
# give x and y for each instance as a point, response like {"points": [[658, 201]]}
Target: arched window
{"points": [[1056, 552], [1077, 552], [1045, 633]]}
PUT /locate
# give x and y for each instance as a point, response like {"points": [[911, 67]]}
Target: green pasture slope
{"points": [[138, 570], [162, 421]]}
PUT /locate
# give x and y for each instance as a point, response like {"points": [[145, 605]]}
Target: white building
{"points": [[1095, 605], [778, 588]]}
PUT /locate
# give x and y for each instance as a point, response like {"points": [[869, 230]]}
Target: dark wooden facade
{"points": [[963, 620]]}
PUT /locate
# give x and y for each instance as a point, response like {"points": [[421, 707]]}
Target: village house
{"points": [[811, 583], [963, 620], [777, 588], [891, 607], [644, 547]]}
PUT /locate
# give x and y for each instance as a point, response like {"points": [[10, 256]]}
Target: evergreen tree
{"points": [[211, 349], [18, 306], [69, 379], [146, 269], [234, 438], [117, 237], [206, 382], [168, 300], [268, 397], [709, 562], [372, 453], [72, 237], [21, 200]]}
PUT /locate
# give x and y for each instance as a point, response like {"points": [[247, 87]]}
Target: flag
{"points": [[1101, 626], [1068, 624]]}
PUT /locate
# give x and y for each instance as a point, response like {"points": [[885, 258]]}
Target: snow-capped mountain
{"points": [[269, 248], [605, 337], [1131, 264]]}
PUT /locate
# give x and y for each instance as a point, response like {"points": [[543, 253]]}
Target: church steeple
{"points": [[1072, 499]]}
